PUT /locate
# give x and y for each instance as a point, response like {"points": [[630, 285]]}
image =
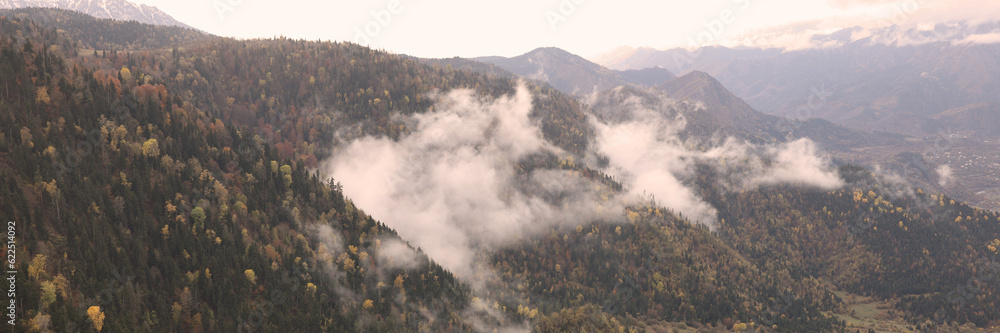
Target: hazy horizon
{"points": [[156, 178], [585, 27]]}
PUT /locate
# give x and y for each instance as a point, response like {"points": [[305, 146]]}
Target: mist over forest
{"points": [[161, 178]]}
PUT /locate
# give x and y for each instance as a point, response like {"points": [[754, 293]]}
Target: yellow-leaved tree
{"points": [[126, 74], [42, 95], [37, 266], [251, 276], [96, 317], [48, 294], [54, 193], [151, 148]]}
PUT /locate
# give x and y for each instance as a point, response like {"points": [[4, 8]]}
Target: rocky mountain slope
{"points": [[110, 9]]}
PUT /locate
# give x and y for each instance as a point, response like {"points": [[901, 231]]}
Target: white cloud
{"points": [[887, 22], [987, 38], [799, 162], [394, 253], [450, 187], [944, 174], [330, 245], [847, 4], [647, 155]]}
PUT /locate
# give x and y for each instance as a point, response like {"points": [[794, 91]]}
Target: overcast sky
{"points": [[467, 28]]}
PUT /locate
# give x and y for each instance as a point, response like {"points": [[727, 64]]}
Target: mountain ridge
{"points": [[110, 9], [563, 70], [650, 77], [201, 165], [725, 113], [917, 71], [935, 85]]}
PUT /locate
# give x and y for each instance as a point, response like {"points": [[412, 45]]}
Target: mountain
{"points": [[877, 140], [565, 71], [462, 64], [649, 77], [979, 119], [195, 189], [891, 79], [171, 220], [112, 34], [110, 9], [937, 84], [679, 61], [730, 110], [724, 114], [870, 84], [571, 67], [718, 112], [727, 114]]}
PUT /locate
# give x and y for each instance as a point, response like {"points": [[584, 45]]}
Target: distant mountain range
{"points": [[724, 112], [939, 85], [573, 74], [652, 76], [110, 9], [865, 103], [239, 201], [908, 81]]}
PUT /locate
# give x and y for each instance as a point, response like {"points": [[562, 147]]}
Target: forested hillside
{"points": [[109, 34], [171, 183], [875, 236], [136, 213]]}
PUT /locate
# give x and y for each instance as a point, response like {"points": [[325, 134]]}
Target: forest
{"points": [[166, 180]]}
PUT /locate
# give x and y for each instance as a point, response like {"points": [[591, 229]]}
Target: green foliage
{"points": [[147, 158], [872, 238], [108, 34], [242, 124], [582, 319], [48, 294], [657, 268], [198, 215]]}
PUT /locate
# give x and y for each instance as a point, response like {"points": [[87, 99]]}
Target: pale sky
{"points": [[469, 28]]}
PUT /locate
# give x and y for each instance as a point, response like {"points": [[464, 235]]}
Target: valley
{"points": [[168, 180]]}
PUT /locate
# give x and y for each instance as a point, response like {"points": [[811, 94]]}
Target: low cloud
{"points": [[885, 22], [393, 253], [944, 175], [455, 185], [849, 4], [450, 186], [800, 163], [330, 245], [987, 38], [647, 153], [484, 317]]}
